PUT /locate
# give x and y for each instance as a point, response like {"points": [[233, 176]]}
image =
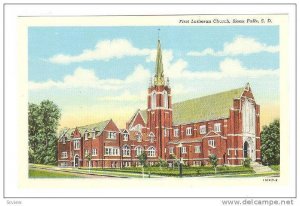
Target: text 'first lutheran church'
{"points": [[226, 124]]}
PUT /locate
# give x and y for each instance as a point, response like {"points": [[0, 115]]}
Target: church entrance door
{"points": [[76, 161], [246, 150]]}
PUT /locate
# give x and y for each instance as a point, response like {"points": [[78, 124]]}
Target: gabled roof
{"points": [[98, 127], [62, 132], [144, 115], [204, 108], [133, 118], [209, 107], [123, 131], [213, 134]]}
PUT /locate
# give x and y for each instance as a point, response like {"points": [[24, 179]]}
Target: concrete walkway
{"points": [[65, 173], [76, 172], [93, 173], [259, 168]]}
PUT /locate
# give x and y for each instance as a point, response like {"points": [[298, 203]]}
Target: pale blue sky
{"points": [[45, 42], [66, 66]]}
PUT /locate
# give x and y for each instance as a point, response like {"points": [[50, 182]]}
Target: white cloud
{"points": [[175, 70], [228, 68], [140, 74], [234, 69], [231, 73], [239, 46], [109, 49], [205, 52], [104, 50], [86, 78], [81, 78]]}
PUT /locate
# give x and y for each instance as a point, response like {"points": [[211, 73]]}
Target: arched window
{"points": [[166, 102], [248, 117], [138, 150], [138, 137], [125, 136], [76, 144], [153, 100], [151, 152], [126, 150], [151, 136]]}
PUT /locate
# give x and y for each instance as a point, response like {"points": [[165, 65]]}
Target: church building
{"points": [[226, 124]]}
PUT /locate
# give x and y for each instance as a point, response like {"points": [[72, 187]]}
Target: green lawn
{"points": [[275, 167], [36, 173], [187, 171], [42, 171]]}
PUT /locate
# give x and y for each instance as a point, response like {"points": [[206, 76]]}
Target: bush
{"points": [[247, 162], [270, 143], [162, 163]]}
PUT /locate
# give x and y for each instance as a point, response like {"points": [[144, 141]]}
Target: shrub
{"points": [[162, 163], [247, 162]]}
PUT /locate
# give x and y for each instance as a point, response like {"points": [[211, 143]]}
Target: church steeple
{"points": [[159, 70], [159, 112]]}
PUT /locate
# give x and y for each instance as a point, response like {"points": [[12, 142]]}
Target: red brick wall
{"points": [[160, 118], [228, 142], [64, 147]]}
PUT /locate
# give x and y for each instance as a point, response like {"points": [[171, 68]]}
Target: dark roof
{"points": [[98, 127]]}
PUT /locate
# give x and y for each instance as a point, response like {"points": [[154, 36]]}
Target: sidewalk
{"points": [[115, 174]]}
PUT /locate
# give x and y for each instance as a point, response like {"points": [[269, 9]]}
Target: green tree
{"points": [[43, 120], [270, 143], [34, 126], [142, 159], [213, 161]]}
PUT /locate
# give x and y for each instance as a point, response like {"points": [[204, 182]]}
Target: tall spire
{"points": [[159, 70]]}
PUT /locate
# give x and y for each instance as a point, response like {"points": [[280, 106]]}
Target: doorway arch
{"points": [[246, 149], [76, 161]]}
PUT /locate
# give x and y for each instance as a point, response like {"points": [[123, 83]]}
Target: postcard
{"points": [[155, 105]]}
